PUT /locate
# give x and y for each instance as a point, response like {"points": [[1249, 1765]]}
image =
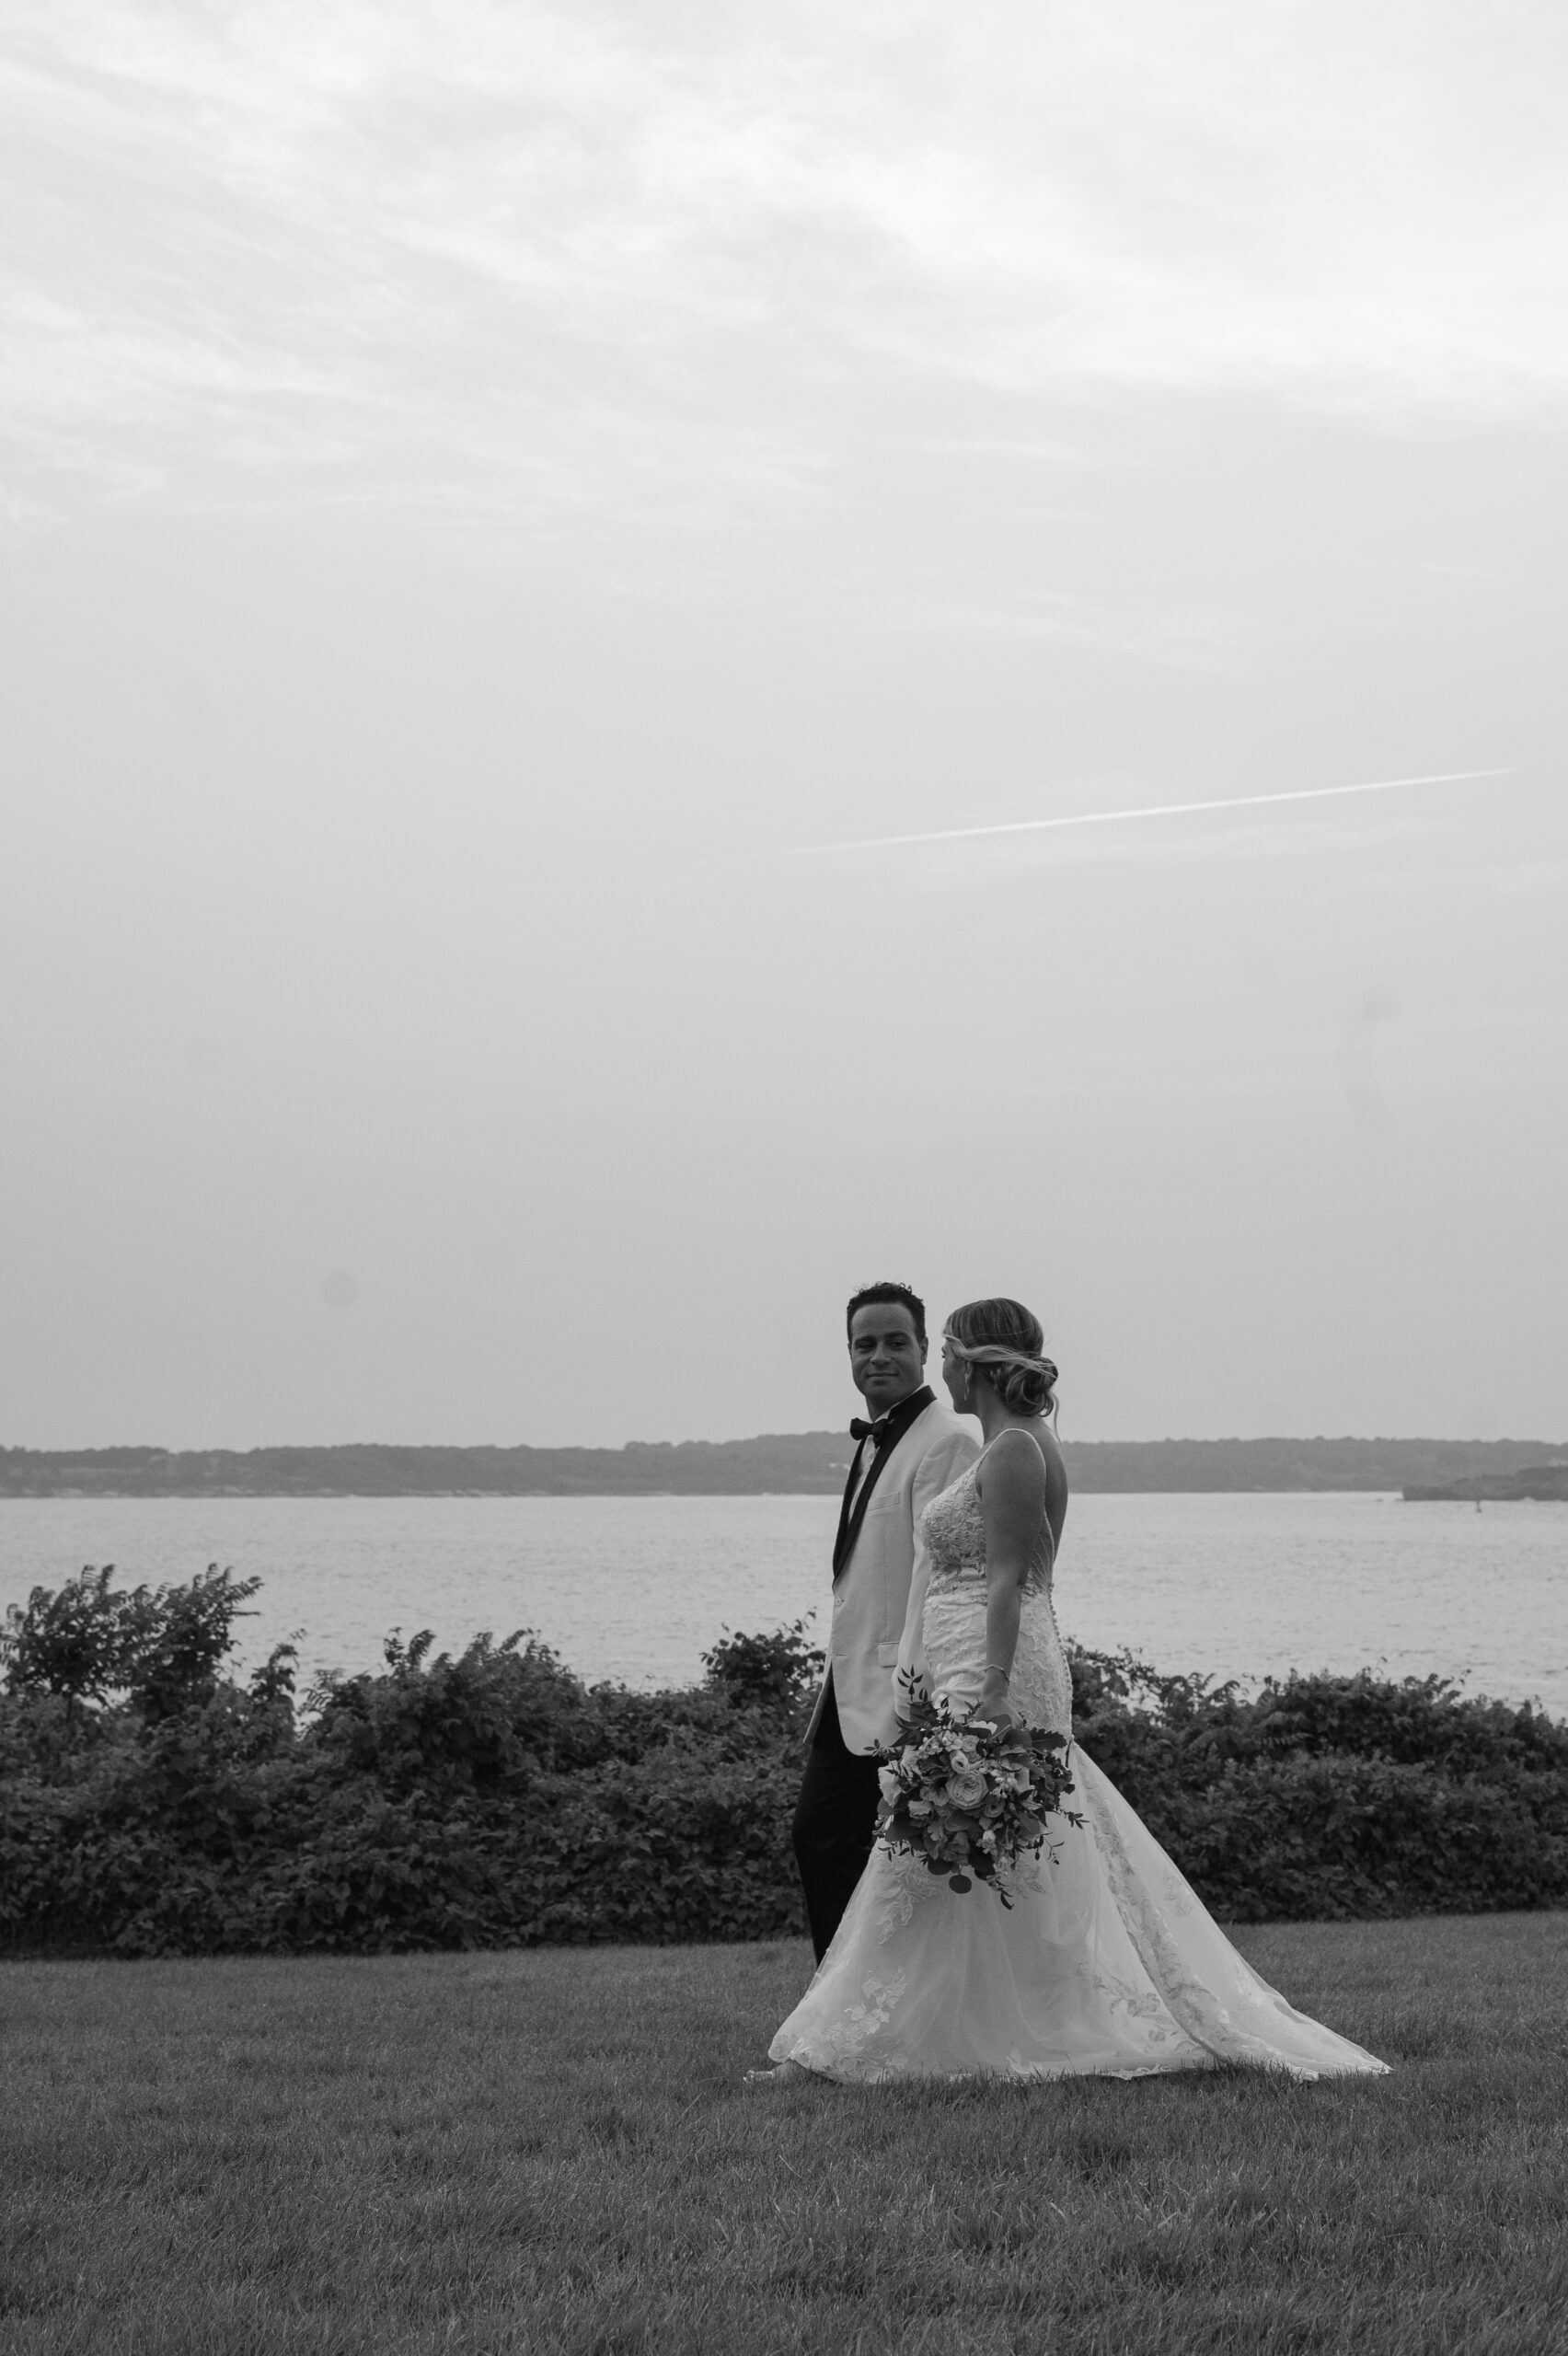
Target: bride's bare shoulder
{"points": [[1025, 1455], [1051, 1448], [1015, 1455]]}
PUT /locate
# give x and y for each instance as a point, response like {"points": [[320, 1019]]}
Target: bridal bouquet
{"points": [[966, 1800]]}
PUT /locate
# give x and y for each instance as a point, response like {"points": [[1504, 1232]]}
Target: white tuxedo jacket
{"points": [[872, 1593]]}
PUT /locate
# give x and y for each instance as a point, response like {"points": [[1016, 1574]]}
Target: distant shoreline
{"points": [[785, 1464]]}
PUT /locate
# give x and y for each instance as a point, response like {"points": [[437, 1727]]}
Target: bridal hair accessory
{"points": [[994, 1354]]}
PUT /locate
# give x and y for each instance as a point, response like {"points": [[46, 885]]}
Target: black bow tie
{"points": [[876, 1432]]}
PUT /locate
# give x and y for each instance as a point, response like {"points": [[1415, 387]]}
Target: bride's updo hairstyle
{"points": [[1006, 1343]]}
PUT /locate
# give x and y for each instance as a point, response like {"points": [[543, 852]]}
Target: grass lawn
{"points": [[553, 2150]]}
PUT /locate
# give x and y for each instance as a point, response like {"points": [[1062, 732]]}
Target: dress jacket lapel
{"points": [[898, 1422]]}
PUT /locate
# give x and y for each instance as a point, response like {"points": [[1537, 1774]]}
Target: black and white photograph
{"points": [[783, 1125]]}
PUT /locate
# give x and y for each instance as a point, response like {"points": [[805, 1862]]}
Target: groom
{"points": [[909, 1450]]}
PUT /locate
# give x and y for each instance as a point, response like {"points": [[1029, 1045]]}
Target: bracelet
{"points": [[992, 1670]]}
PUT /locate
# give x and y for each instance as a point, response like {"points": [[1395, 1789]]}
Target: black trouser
{"points": [[836, 1819]]}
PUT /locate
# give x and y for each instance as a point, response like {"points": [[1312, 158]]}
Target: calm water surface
{"points": [[636, 1588]]}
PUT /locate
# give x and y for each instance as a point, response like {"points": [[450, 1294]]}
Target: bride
{"points": [[1107, 1963]]}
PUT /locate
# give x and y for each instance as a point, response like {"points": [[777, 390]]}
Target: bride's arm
{"points": [[1012, 1498]]}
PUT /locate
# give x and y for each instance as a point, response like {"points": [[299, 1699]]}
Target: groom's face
{"points": [[886, 1360]]}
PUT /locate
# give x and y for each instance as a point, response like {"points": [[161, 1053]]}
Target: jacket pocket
{"points": [[887, 1656]]}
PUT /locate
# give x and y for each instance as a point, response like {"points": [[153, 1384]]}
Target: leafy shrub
{"points": [[775, 1672], [161, 1648], [151, 1803], [485, 1722], [71, 1642], [1334, 1796]]}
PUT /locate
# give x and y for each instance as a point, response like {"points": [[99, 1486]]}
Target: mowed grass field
{"points": [[554, 2151]]}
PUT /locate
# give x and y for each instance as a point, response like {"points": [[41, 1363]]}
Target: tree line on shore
{"points": [[154, 1802], [786, 1463]]}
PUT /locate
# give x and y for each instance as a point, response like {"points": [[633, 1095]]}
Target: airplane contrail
{"points": [[1156, 810]]}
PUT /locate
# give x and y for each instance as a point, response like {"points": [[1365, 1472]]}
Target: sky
{"points": [[492, 496]]}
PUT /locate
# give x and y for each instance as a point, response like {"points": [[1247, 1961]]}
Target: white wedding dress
{"points": [[1107, 1963]]}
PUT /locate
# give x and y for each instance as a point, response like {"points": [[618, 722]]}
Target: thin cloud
{"points": [[1150, 811]]}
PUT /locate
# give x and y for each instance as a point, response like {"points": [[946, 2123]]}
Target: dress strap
{"points": [[990, 1444]]}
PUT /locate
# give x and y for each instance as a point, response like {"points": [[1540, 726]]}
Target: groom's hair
{"points": [[869, 1295]]}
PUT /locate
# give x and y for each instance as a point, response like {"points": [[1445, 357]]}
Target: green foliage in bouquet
{"points": [[968, 1799]]}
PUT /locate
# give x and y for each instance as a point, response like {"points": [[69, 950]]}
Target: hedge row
{"points": [[151, 1803]]}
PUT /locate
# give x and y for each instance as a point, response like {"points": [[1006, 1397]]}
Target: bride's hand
{"points": [[993, 1708]]}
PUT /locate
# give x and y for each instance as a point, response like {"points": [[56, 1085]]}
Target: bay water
{"points": [[636, 1588]]}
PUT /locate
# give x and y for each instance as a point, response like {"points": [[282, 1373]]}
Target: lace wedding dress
{"points": [[1107, 1963]]}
